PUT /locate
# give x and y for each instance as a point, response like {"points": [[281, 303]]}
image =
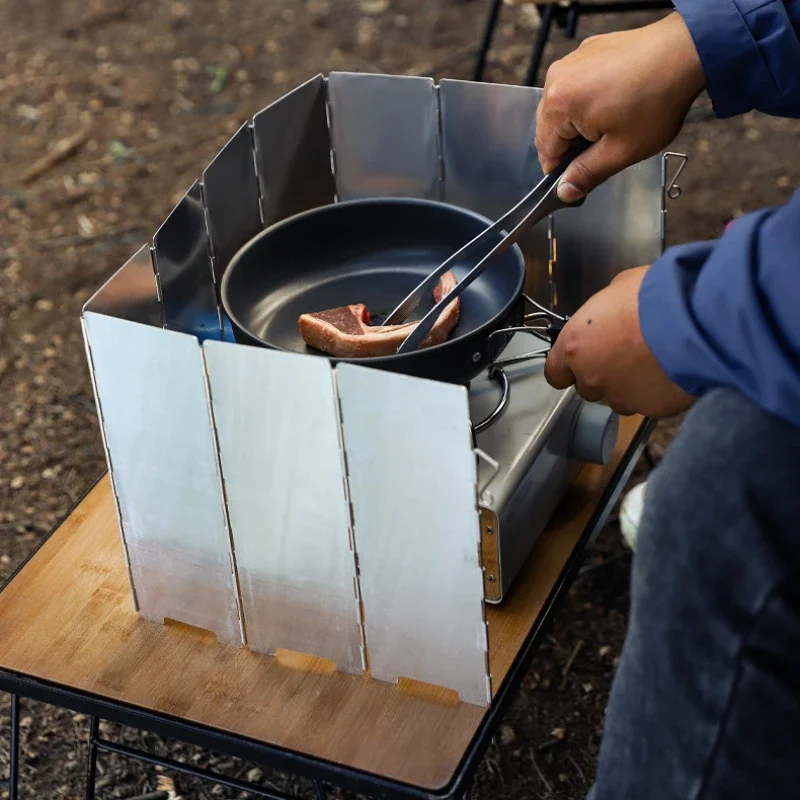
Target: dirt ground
{"points": [[139, 96]]}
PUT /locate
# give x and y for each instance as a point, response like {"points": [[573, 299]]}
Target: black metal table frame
{"points": [[566, 16], [321, 772]]}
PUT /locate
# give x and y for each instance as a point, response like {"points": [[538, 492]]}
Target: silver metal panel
{"points": [[131, 292], [85, 333], [385, 134], [230, 192], [412, 473], [293, 153], [490, 160], [618, 227], [183, 265], [277, 424], [152, 392]]}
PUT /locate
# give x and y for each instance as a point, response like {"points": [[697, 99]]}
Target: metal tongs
{"points": [[535, 206]]}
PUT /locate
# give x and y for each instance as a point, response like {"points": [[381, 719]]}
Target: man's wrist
{"points": [[683, 53]]}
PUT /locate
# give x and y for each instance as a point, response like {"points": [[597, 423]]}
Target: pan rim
{"points": [[396, 358]]}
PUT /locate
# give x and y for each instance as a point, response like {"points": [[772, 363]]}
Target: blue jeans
{"points": [[705, 704]]}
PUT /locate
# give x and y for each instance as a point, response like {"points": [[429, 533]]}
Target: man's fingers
{"points": [[589, 170], [556, 371]]}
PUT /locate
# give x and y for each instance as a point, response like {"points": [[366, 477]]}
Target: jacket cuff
{"points": [[665, 319], [737, 77]]}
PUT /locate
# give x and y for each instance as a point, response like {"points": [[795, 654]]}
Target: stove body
{"points": [[253, 493], [537, 444]]}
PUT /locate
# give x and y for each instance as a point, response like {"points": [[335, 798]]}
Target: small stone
{"points": [[26, 722], [604, 651], [373, 8], [44, 305], [28, 338], [255, 775], [17, 482], [752, 134], [558, 734], [588, 687], [5, 559], [366, 32], [507, 735], [783, 182]]}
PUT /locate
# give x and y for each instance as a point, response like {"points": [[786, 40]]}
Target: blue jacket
{"points": [[727, 312]]}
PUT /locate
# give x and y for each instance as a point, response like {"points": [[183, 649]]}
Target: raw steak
{"points": [[346, 332]]}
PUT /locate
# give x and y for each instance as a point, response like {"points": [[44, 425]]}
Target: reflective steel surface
{"points": [[230, 194], [131, 292], [277, 422], [490, 160], [183, 265], [163, 461], [618, 227], [397, 448], [293, 153], [385, 136], [412, 477]]}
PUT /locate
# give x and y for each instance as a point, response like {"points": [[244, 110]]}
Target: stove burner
{"points": [[496, 374], [496, 371]]}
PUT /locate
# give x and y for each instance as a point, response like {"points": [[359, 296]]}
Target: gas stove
{"points": [[528, 456]]}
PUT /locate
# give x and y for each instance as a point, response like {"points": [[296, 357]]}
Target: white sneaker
{"points": [[630, 514]]}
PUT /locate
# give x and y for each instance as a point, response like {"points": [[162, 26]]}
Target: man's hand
{"points": [[629, 92], [602, 352]]}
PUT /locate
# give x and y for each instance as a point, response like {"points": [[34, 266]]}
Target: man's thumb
{"points": [[556, 371], [588, 171]]}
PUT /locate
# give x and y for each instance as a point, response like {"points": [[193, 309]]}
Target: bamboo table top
{"points": [[67, 617]]}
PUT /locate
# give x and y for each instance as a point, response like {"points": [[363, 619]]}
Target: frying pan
{"points": [[374, 252]]}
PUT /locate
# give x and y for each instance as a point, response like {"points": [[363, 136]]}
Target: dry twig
{"points": [[570, 662], [64, 149]]}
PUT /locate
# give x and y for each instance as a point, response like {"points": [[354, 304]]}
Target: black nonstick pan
{"points": [[374, 252]]}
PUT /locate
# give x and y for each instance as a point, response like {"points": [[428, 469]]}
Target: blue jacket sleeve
{"points": [[750, 53], [728, 313]]}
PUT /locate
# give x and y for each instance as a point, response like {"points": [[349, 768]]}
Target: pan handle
{"points": [[540, 333]]}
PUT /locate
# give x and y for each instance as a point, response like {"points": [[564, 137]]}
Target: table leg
{"points": [[547, 14], [13, 757], [488, 34], [91, 763]]}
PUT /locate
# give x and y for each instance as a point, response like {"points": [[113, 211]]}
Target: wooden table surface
{"points": [[68, 618]]}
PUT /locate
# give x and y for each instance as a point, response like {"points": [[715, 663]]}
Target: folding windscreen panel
{"points": [[151, 391], [412, 475], [277, 419]]}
